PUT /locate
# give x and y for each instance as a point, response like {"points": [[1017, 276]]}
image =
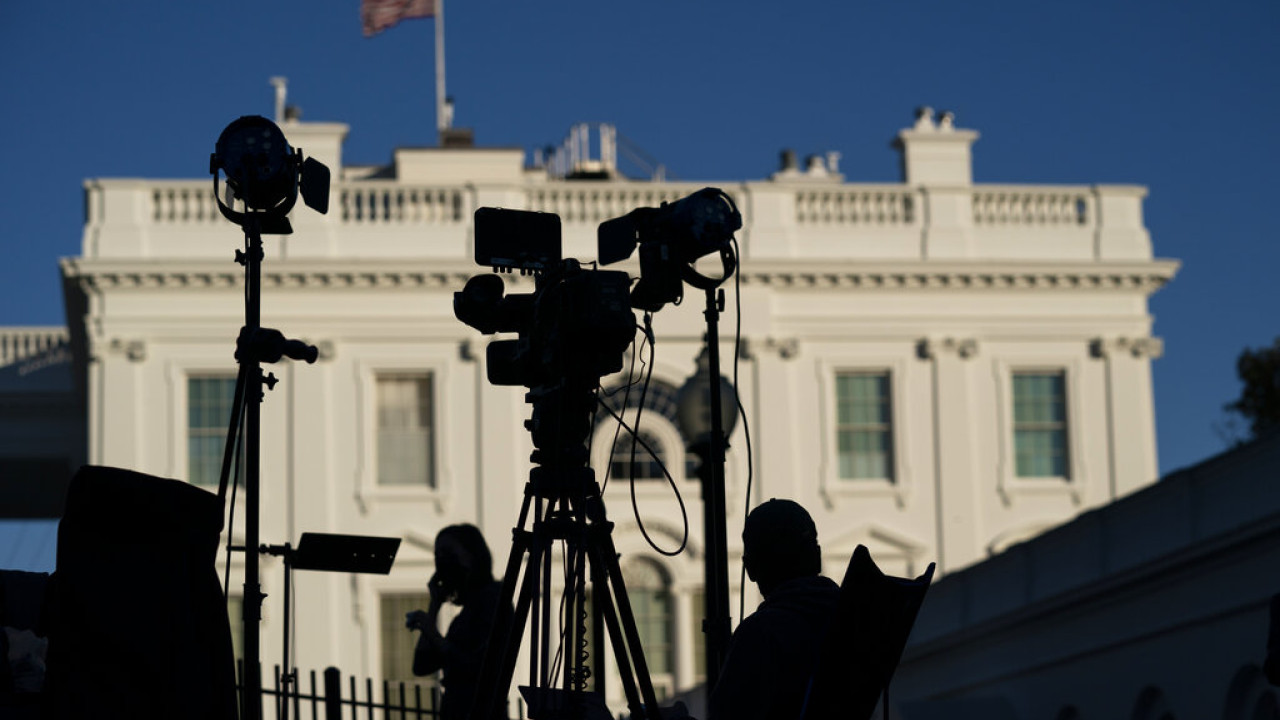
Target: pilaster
{"points": [[775, 436], [1130, 411], [957, 502]]}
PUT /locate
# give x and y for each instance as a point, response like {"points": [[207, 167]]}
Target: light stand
{"points": [[671, 239], [703, 403], [265, 176], [329, 553]]}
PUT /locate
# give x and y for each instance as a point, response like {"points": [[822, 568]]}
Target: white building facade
{"points": [[935, 369]]}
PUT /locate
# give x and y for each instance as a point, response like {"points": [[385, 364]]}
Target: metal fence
{"points": [[329, 700]]}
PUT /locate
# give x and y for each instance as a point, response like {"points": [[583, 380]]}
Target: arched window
{"points": [[652, 603], [657, 429], [645, 466]]}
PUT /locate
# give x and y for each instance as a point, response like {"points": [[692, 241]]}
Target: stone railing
{"points": [[586, 202], [996, 205], [782, 219], [862, 205], [21, 343], [390, 203], [190, 202], [183, 202]]}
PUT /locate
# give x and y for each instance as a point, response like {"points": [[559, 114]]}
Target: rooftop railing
{"points": [[800, 219], [23, 343]]}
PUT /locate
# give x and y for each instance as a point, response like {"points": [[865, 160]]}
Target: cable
{"points": [[684, 516], [644, 393], [626, 390], [231, 510], [746, 428]]}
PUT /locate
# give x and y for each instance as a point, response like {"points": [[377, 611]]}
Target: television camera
{"points": [[572, 330]]}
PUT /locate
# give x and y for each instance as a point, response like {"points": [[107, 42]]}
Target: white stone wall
{"points": [[947, 286]]}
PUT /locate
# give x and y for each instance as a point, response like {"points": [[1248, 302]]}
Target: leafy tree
{"points": [[1259, 401]]}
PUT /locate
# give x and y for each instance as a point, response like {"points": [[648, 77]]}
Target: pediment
{"points": [[896, 553]]}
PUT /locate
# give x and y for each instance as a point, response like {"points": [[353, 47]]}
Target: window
{"points": [[1040, 424], [398, 642], [646, 467], [405, 430], [659, 412], [864, 426], [209, 401], [651, 603]]}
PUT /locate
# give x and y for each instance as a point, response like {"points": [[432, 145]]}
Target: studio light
{"points": [[266, 175], [255, 156]]}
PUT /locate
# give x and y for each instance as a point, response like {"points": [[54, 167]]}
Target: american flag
{"points": [[378, 15]]}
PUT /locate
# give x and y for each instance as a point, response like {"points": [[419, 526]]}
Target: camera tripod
{"points": [[562, 502]]}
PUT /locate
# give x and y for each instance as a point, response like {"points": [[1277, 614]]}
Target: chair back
{"points": [[868, 634]]}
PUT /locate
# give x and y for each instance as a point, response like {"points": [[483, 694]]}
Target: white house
{"points": [[936, 369]]}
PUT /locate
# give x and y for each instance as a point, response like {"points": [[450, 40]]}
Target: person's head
{"points": [[780, 543], [463, 562]]}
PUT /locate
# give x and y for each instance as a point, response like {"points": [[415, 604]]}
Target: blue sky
{"points": [[1178, 96]]}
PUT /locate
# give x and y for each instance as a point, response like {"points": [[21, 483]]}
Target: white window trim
{"points": [[367, 487], [177, 372], [830, 485], [1008, 484], [659, 427]]}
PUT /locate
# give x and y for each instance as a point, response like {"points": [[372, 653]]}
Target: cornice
{"points": [[1136, 276], [187, 275], [1142, 276]]}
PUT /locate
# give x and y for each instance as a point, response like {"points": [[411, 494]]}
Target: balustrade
{"points": [[19, 343], [1010, 216], [591, 203], [390, 203], [856, 206], [184, 203], [1032, 206]]}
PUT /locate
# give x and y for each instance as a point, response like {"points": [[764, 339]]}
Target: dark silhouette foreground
{"points": [[813, 650], [464, 576], [774, 651]]}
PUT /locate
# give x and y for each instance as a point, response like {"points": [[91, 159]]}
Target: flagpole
{"points": [[442, 123]]}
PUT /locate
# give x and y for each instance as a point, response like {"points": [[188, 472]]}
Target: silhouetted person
{"points": [[773, 652], [464, 576]]}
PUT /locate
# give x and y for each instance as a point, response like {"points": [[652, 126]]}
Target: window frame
{"points": [[831, 486], [659, 427], [1008, 484], [1062, 426], [432, 427], [189, 376], [367, 370], [855, 427]]}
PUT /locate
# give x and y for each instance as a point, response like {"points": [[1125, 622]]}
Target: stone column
{"points": [[954, 437], [775, 433], [682, 615], [121, 443], [1131, 439]]}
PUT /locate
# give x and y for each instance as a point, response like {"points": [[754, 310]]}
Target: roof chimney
{"points": [[936, 153], [281, 84], [787, 161]]}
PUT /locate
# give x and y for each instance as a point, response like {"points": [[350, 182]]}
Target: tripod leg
{"points": [[621, 623], [504, 637], [609, 613]]}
